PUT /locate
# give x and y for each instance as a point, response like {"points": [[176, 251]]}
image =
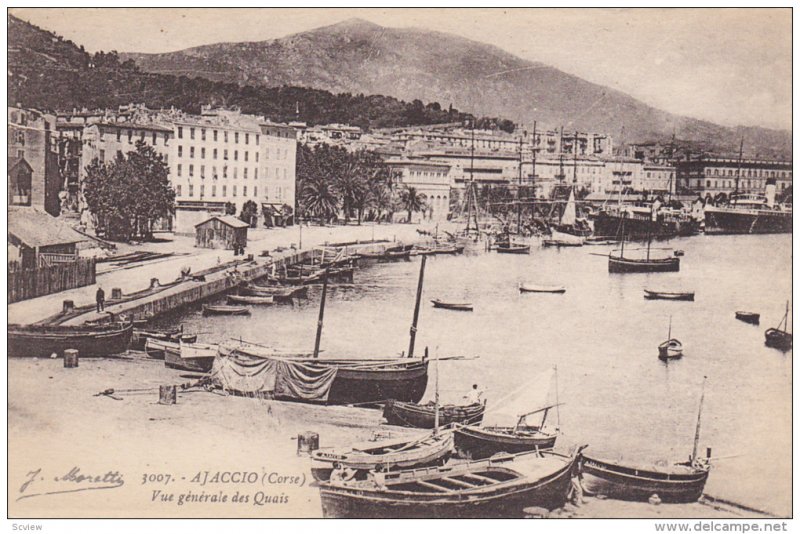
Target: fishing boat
{"points": [[560, 243], [569, 222], [671, 349], [748, 317], [187, 356], [90, 341], [499, 487], [386, 256], [277, 292], [780, 338], [534, 288], [618, 263], [666, 295], [507, 428], [457, 306], [677, 483], [243, 299], [140, 337], [513, 249], [424, 415], [221, 309]]}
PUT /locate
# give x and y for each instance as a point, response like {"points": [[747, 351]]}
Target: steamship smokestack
{"points": [[770, 192]]}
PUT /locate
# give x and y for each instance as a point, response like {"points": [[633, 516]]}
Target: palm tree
{"points": [[412, 201], [320, 198], [380, 199]]}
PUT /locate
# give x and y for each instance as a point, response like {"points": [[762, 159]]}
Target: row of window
{"points": [[215, 154], [179, 171], [119, 153], [730, 184], [215, 135], [756, 173], [224, 191], [142, 135]]}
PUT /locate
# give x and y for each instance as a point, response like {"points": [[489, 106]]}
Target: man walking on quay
{"points": [[101, 299]]}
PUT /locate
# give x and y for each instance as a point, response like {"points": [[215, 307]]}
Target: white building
{"points": [[430, 178]]}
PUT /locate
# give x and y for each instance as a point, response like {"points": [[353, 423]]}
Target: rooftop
{"points": [[35, 228], [230, 220]]}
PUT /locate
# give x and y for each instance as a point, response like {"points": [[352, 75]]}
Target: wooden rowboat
{"points": [[462, 306], [188, 356], [476, 443], [620, 264], [780, 338], [748, 317], [221, 309], [243, 299], [665, 295], [560, 243], [278, 292], [499, 487], [671, 349], [532, 288], [424, 415], [513, 249], [401, 453], [90, 341], [140, 337]]}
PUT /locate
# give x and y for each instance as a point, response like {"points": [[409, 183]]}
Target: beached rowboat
{"points": [[221, 309], [42, 341], [423, 415], [457, 306]]}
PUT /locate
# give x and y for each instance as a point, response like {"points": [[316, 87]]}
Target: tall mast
{"points": [[436, 398], [533, 171], [669, 332], [575, 163], [697, 428], [738, 170], [519, 189], [321, 312], [416, 309]]}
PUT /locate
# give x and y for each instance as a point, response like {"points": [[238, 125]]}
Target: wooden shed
{"points": [[221, 231]]}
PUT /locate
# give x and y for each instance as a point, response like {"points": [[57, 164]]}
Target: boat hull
{"points": [[747, 317], [414, 415], [778, 339], [656, 295], [635, 228], [477, 443], [742, 221], [225, 310], [364, 386], [631, 484], [623, 265], [514, 249], [41, 342], [451, 306], [502, 501]]}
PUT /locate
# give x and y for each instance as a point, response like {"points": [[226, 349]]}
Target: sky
{"points": [[728, 66]]}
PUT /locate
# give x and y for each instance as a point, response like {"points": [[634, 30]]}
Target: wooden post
{"points": [[167, 394], [307, 442], [416, 309], [321, 312], [116, 293], [154, 283], [68, 306], [70, 358]]}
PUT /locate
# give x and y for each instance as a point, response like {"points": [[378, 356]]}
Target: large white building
{"points": [[429, 178]]}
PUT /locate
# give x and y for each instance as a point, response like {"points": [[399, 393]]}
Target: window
{"points": [[256, 139], [202, 172], [235, 172], [266, 192], [103, 155], [119, 135], [278, 193], [256, 157], [179, 169], [180, 132], [215, 135], [247, 138], [191, 171], [708, 183], [213, 190], [224, 190], [155, 136], [191, 151], [245, 155], [191, 133], [130, 136], [234, 190], [166, 158], [235, 155], [245, 173], [255, 173], [178, 190], [215, 153], [284, 174], [180, 151], [191, 190], [236, 137], [244, 191], [226, 135], [214, 172], [202, 191], [255, 191], [225, 154], [225, 171], [202, 153], [202, 134]]}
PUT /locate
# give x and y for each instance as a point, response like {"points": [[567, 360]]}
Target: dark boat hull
{"points": [[630, 484], [778, 339], [655, 295], [610, 226], [353, 386], [739, 221], [41, 342], [622, 265], [504, 502], [479, 443], [414, 415], [451, 306], [513, 249], [747, 317]]}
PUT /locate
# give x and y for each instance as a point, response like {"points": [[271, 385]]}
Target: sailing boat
{"points": [[671, 349], [506, 427], [678, 483], [618, 263], [569, 223], [778, 338]]}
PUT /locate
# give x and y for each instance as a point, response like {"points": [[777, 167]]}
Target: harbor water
{"points": [[602, 335]]}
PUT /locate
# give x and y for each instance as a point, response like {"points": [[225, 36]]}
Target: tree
{"points": [[249, 213], [319, 198], [230, 208], [126, 196], [412, 201]]}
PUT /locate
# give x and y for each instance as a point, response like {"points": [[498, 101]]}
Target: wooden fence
{"points": [[29, 283]]}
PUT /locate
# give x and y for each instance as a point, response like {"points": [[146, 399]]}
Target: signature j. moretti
{"points": [[38, 484]]}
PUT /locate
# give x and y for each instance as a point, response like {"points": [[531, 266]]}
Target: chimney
{"points": [[770, 192]]}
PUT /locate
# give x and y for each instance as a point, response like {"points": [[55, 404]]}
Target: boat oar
{"points": [[598, 254]]}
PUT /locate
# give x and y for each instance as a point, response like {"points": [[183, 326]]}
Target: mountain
{"points": [[356, 56], [47, 72]]}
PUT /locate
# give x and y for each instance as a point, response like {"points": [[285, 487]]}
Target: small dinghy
{"points": [[666, 295], [277, 292], [561, 243], [457, 306], [221, 309], [748, 317], [780, 338], [533, 288], [244, 299], [671, 349], [511, 248]]}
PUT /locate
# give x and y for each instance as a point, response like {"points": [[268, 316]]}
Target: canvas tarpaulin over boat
{"points": [[278, 377]]}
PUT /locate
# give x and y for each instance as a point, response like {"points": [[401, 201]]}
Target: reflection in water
{"points": [[603, 336]]}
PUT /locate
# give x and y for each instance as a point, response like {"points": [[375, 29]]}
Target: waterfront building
{"points": [[32, 158], [710, 175], [221, 231], [277, 177], [430, 178]]}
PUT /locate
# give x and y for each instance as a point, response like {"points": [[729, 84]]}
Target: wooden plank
{"points": [[434, 487], [461, 483], [480, 477]]}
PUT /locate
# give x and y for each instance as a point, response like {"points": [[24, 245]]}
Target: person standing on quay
{"points": [[101, 299]]}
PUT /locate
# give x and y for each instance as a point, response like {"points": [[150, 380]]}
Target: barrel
{"points": [[154, 283], [68, 306], [307, 442], [70, 358], [167, 394], [116, 293]]}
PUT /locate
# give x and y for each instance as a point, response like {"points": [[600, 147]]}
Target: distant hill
{"points": [[356, 56], [48, 72]]}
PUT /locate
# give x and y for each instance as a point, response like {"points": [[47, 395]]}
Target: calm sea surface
{"points": [[602, 336]]}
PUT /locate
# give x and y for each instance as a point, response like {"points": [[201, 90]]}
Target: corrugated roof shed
{"points": [[34, 228], [230, 220]]}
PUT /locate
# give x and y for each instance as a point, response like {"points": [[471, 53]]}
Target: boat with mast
{"points": [[677, 483], [619, 263], [671, 349], [780, 338]]}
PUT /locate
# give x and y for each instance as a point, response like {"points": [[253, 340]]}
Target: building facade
{"points": [[711, 176], [32, 156], [429, 178]]}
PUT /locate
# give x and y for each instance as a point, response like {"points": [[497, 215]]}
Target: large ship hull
{"points": [[610, 225], [745, 221]]}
